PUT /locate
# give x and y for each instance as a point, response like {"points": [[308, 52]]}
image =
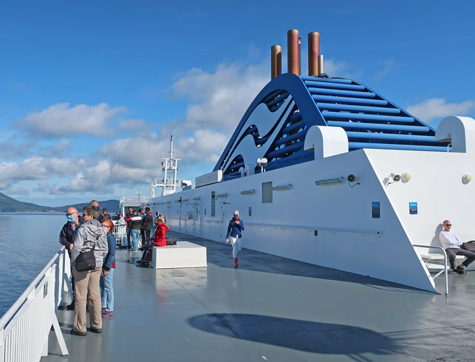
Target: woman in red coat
{"points": [[161, 231], [159, 240]]}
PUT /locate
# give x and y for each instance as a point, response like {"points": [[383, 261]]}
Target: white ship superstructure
{"points": [[327, 171]]}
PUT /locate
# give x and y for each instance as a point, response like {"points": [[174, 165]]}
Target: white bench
{"points": [[182, 255], [435, 262]]}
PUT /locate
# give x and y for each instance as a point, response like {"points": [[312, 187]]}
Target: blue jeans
{"points": [[134, 236], [107, 291], [128, 237]]}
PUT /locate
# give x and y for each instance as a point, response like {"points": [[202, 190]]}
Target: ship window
{"points": [[267, 192], [213, 203]]}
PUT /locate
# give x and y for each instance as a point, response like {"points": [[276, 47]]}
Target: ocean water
{"points": [[28, 241]]}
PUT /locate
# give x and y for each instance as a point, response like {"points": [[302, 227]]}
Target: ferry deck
{"points": [[272, 309]]}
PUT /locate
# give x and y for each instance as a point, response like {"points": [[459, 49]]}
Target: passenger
{"points": [[66, 238], [147, 225], [99, 215], [161, 232], [159, 240], [106, 282], [134, 225], [89, 233], [235, 228], [142, 228], [106, 214], [128, 216], [451, 243]]}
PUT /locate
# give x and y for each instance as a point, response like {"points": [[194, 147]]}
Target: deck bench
{"points": [[182, 255], [435, 262]]}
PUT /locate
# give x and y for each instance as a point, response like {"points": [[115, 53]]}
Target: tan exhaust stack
{"points": [[276, 61], [313, 54], [293, 51]]}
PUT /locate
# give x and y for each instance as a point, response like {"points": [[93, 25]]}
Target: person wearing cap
{"points": [[451, 243], [235, 228]]}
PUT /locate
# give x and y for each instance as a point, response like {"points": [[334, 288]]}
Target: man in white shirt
{"points": [[451, 243]]}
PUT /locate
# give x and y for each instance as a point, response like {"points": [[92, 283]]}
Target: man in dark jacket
{"points": [[66, 238], [147, 223]]}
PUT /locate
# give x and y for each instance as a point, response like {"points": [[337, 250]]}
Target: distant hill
{"points": [[8, 204]]}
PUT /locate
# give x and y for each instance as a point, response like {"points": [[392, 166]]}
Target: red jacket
{"points": [[160, 234]]}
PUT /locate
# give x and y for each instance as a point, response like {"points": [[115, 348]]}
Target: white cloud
{"points": [[39, 168], [137, 152], [18, 191], [42, 187], [388, 69], [128, 175], [203, 145], [14, 147], [335, 68], [219, 99], [60, 120], [434, 108], [133, 124], [91, 179]]}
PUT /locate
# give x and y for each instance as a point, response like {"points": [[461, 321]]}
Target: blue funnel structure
{"points": [[277, 121]]}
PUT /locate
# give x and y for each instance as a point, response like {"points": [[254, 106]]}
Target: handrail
{"points": [[445, 263], [14, 308], [36, 306]]}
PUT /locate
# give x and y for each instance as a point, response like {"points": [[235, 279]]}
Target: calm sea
{"points": [[28, 241]]}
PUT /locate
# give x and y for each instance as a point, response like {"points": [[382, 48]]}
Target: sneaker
{"points": [[96, 330], [461, 271], [107, 314]]}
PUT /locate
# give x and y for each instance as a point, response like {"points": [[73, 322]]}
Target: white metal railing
{"points": [[445, 265], [25, 327], [120, 233]]}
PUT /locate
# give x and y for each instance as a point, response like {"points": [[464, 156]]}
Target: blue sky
{"points": [[90, 90]]}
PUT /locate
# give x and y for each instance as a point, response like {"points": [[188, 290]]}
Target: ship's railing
{"points": [[119, 232], [442, 267], [25, 327]]}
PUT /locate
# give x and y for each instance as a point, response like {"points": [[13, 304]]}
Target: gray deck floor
{"points": [[272, 309]]}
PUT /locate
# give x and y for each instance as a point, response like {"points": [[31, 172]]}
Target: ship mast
{"points": [[169, 182]]}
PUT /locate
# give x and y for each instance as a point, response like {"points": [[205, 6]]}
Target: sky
{"points": [[90, 91]]}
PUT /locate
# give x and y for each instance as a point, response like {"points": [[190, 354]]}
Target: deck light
{"points": [[248, 192], [467, 178], [262, 163], [282, 187], [329, 181], [406, 176]]}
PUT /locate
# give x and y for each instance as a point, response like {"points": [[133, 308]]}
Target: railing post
{"points": [[446, 275], [445, 263], [2, 345]]}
